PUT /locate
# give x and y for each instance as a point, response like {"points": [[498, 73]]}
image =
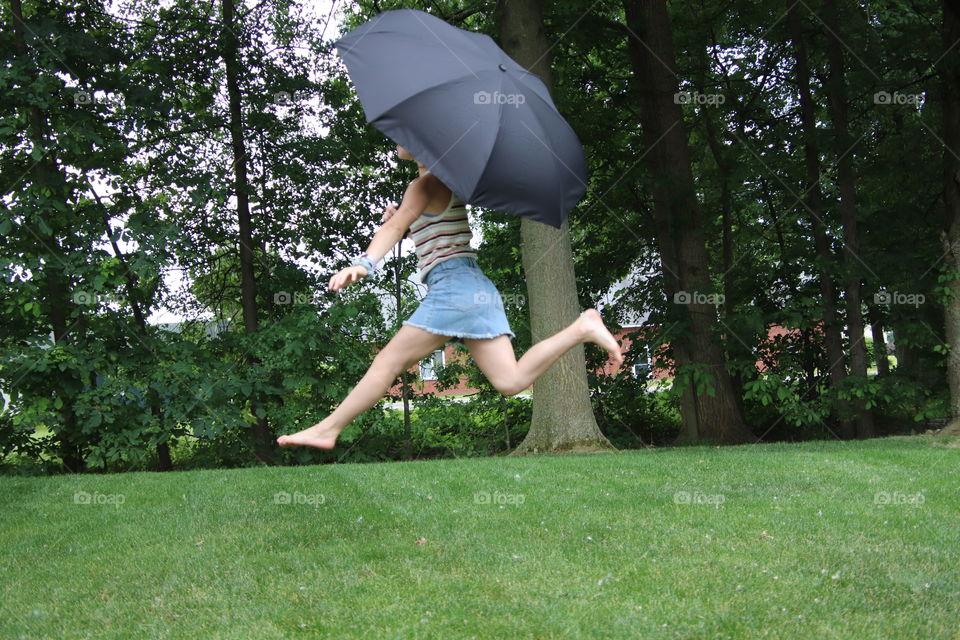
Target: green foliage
{"points": [[114, 129], [631, 414], [772, 399], [442, 427]]}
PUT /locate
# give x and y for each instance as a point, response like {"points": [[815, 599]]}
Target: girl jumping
{"points": [[460, 302]]}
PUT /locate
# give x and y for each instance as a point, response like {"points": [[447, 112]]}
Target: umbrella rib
{"points": [[493, 146], [414, 95], [440, 40], [555, 156]]}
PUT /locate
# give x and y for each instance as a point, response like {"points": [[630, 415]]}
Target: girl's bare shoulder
{"points": [[437, 192]]}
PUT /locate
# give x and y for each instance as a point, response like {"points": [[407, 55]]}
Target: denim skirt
{"points": [[461, 302]]}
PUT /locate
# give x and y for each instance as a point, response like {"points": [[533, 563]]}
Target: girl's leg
{"points": [[409, 346], [509, 376]]}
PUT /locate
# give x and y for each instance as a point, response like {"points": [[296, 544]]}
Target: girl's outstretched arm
{"points": [[418, 195]]}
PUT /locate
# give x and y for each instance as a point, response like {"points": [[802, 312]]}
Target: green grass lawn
{"points": [[811, 540]]}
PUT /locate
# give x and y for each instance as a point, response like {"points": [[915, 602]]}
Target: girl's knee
{"points": [[510, 387]]}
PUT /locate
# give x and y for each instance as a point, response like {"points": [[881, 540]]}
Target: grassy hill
{"points": [[811, 540]]}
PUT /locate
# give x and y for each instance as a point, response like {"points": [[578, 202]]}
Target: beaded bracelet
{"points": [[364, 260]]}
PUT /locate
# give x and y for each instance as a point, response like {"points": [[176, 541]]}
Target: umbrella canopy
{"points": [[480, 122]]}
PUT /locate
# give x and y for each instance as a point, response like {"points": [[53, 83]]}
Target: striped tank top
{"points": [[442, 236]]}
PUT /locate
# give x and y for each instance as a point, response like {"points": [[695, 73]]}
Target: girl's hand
{"points": [[389, 211], [347, 276]]}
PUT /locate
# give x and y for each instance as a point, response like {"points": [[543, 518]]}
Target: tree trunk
{"points": [[950, 237], [724, 171], [563, 417], [837, 98], [831, 327], [734, 347], [717, 417], [880, 349], [908, 355], [164, 461], [404, 376], [56, 294], [808, 350], [248, 286]]}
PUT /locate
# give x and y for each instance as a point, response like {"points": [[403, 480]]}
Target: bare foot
{"points": [[320, 435], [596, 332]]}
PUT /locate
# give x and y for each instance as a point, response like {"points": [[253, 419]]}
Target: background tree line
{"points": [[791, 165]]}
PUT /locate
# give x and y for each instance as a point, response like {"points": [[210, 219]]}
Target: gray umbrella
{"points": [[479, 121]]}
